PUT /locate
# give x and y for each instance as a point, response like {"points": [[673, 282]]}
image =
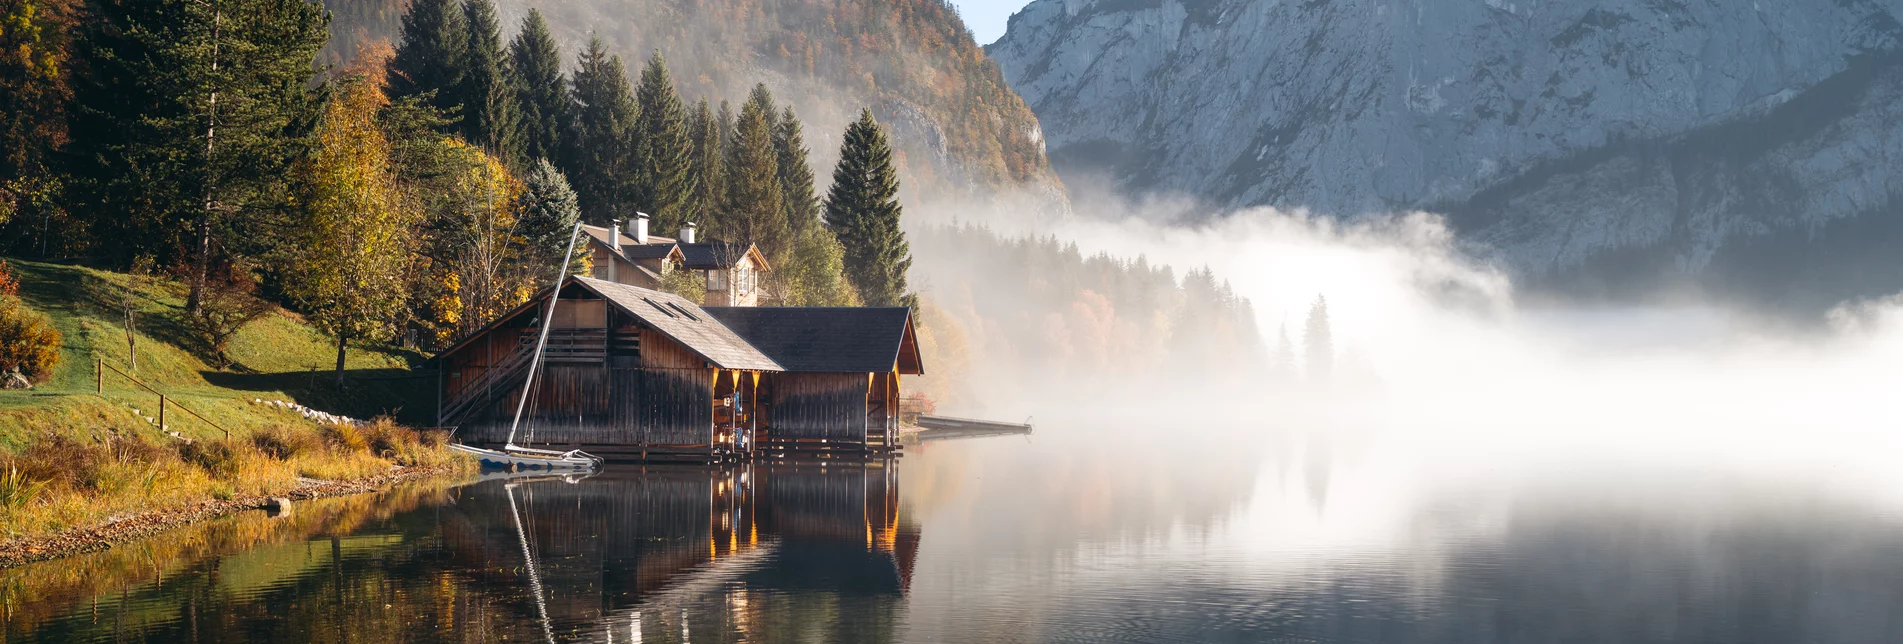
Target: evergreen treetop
{"points": [[862, 208], [601, 161], [753, 211], [429, 58], [664, 152], [491, 119], [801, 201], [541, 90]]}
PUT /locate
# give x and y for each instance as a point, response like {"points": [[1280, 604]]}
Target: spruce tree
{"points": [[491, 119], [801, 201], [429, 62], [862, 208], [709, 164], [186, 123], [601, 152], [664, 152], [754, 199], [541, 90], [547, 214]]}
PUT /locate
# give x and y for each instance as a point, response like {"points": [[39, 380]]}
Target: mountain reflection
{"points": [[654, 554]]}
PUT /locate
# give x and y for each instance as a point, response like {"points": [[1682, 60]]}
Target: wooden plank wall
{"points": [[666, 402], [830, 406]]}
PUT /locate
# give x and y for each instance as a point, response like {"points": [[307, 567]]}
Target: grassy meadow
{"points": [[74, 456]]}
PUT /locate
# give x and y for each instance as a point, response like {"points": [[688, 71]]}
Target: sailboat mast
{"points": [[548, 319]]}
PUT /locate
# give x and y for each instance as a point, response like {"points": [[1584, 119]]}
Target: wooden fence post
{"points": [[99, 372], [161, 412]]}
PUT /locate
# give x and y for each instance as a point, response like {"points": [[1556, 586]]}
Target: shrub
{"points": [[345, 436], [28, 341], [217, 458], [282, 442], [16, 488]]}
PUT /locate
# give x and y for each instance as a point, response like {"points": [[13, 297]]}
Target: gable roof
{"points": [[672, 315], [656, 248], [719, 254], [828, 339], [685, 322]]}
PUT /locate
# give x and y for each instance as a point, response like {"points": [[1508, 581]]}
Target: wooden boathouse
{"points": [[628, 373], [636, 374], [838, 384]]}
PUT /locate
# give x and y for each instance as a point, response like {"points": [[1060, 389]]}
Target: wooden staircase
{"points": [[498, 379]]}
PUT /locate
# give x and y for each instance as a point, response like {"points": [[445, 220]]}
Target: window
{"points": [[743, 278], [716, 280], [682, 311], [658, 307]]}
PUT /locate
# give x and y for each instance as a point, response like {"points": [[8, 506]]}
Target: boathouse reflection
{"points": [[700, 552]]}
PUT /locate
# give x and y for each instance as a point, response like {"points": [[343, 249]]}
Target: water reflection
{"points": [[656, 554], [1089, 535]]}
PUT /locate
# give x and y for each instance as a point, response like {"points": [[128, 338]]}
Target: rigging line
{"points": [[528, 560], [535, 361]]}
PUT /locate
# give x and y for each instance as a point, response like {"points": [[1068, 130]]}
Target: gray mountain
{"points": [[1742, 146]]}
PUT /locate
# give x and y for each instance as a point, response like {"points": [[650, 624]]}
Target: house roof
{"points": [[828, 339], [685, 322], [675, 317], [719, 254], [656, 248]]}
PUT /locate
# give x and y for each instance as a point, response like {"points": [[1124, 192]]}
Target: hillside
{"points": [[960, 128], [275, 358], [81, 468], [1604, 145]]}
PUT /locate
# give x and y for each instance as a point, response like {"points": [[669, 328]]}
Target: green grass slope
{"points": [[276, 357]]}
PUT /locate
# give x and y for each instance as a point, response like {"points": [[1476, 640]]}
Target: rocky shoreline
{"points": [[26, 550]]}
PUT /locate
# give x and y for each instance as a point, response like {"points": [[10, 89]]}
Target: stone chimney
{"points": [[638, 229], [687, 233], [614, 235]]}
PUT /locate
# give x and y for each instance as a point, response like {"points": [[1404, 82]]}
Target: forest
{"points": [[412, 192], [403, 194]]}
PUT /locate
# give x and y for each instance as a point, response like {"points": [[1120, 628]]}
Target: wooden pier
{"points": [[938, 428]]}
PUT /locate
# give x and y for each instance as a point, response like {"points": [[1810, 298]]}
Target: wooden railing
{"points": [[99, 372]]}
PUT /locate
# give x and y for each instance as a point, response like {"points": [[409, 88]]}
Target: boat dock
{"points": [[937, 428]]}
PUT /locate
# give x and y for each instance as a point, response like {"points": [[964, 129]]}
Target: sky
{"points": [[987, 18]]}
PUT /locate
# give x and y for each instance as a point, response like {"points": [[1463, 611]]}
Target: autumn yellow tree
{"points": [[478, 241], [353, 244]]}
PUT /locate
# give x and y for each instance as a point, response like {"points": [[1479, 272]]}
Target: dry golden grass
{"points": [[69, 479]]}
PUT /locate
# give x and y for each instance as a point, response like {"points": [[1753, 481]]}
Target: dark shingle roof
{"points": [[821, 339], [656, 248], [686, 323], [712, 255]]}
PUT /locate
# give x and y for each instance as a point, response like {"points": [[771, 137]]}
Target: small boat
{"points": [[514, 458], [522, 459]]}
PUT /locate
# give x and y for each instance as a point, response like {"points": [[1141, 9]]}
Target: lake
{"points": [[1078, 534]]}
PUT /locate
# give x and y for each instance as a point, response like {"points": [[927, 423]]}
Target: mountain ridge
{"points": [[1521, 121]]}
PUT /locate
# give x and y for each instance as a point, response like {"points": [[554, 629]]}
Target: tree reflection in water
{"points": [[648, 554]]}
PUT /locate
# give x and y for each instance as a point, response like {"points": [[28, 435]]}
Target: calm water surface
{"points": [[1084, 535]]}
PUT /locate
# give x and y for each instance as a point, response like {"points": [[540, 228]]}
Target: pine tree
{"points": [[664, 185], [862, 208], [491, 119], [801, 201], [541, 90], [709, 164], [753, 206], [429, 61], [186, 123], [601, 152], [548, 215], [1319, 341]]}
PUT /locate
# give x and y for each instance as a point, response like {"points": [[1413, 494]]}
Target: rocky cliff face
{"points": [[1589, 141]]}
